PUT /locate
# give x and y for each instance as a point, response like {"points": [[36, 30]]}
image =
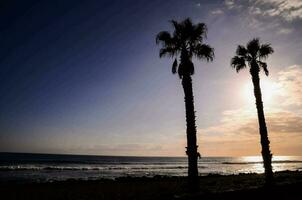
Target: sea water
{"points": [[49, 167]]}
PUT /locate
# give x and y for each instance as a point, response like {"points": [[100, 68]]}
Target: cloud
{"points": [[230, 4], [217, 12], [172, 147], [120, 149], [242, 133], [285, 30], [291, 83], [238, 130], [277, 15], [287, 9]]}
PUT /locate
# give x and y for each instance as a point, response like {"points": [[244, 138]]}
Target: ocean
{"points": [[24, 167]]}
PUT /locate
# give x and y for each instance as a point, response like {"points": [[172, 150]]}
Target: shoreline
{"points": [[159, 187]]}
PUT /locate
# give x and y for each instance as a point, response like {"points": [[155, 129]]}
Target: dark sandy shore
{"points": [[244, 186]]}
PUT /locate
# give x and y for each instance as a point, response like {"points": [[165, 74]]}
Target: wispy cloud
{"points": [[285, 30], [267, 14], [287, 9], [291, 82], [231, 4], [217, 12], [235, 130]]}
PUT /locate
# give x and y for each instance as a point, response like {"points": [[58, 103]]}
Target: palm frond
{"points": [[204, 51], [238, 63], [197, 34], [168, 51], [241, 51], [174, 66], [163, 37], [187, 22], [200, 30], [175, 24], [263, 65], [253, 47], [177, 29], [188, 29], [265, 50]]}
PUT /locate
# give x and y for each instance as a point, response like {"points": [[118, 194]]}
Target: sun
{"points": [[268, 89]]}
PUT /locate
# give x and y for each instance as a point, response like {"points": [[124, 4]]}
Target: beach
{"points": [[242, 186]]}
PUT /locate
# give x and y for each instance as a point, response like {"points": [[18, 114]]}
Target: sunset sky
{"points": [[84, 77]]}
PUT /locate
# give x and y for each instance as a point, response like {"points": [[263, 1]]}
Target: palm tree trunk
{"points": [[266, 153], [191, 133]]}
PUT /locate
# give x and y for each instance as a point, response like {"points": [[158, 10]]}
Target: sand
{"points": [[288, 185]]}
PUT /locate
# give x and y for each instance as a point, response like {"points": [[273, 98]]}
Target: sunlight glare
{"points": [[268, 89]]}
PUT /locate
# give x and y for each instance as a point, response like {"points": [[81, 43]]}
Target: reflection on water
{"points": [[279, 163], [247, 164], [275, 158]]}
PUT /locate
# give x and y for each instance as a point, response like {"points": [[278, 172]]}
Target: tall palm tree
{"points": [[253, 54], [184, 43]]}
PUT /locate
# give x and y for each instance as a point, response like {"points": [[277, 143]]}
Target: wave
{"points": [[96, 162], [260, 162], [18, 168], [59, 168]]}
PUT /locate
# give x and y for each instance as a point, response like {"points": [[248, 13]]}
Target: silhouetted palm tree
{"points": [[254, 53], [185, 43]]}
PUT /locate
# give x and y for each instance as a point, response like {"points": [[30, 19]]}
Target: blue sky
{"points": [[85, 77]]}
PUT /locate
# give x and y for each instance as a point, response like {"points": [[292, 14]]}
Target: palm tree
{"points": [[253, 54], [185, 43]]}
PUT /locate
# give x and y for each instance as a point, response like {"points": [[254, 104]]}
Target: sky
{"points": [[85, 77]]}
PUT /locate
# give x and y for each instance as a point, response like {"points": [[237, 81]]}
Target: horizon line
{"points": [[75, 154]]}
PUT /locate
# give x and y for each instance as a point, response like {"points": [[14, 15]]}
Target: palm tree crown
{"points": [[186, 41], [254, 53]]}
